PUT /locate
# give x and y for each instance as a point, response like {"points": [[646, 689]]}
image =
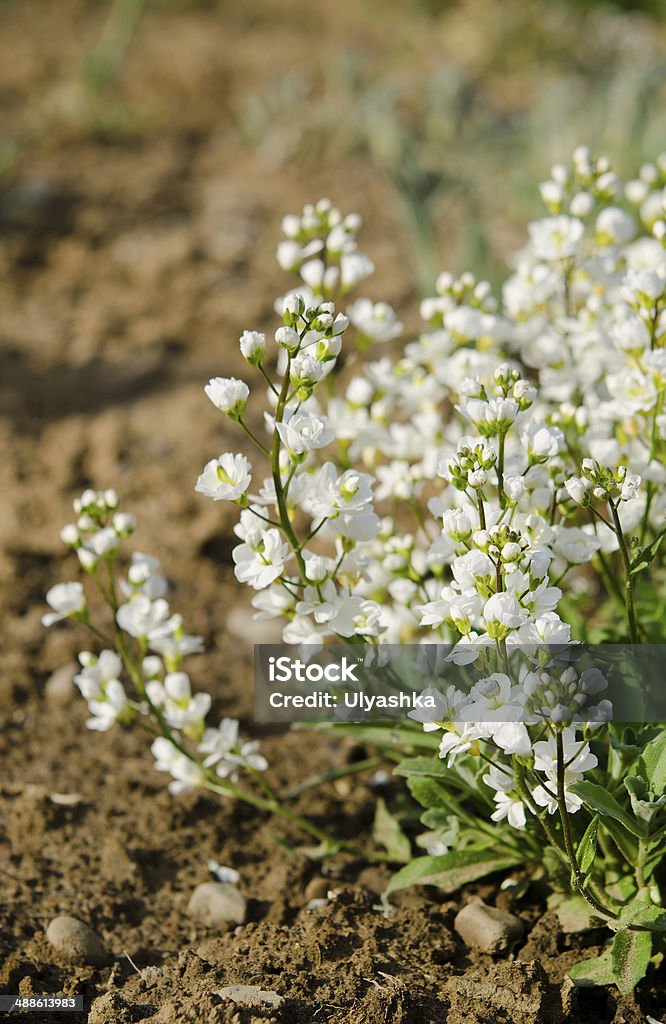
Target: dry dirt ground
{"points": [[129, 263]]}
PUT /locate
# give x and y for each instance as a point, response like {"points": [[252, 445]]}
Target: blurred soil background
{"points": [[148, 150]]}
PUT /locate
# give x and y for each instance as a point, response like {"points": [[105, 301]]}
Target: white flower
{"points": [[111, 707], [354, 267], [513, 738], [222, 751], [509, 803], [332, 494], [578, 759], [289, 255], [97, 673], [503, 613], [168, 758], [174, 697], [229, 395], [141, 616], [260, 566], [252, 346], [288, 338], [143, 578], [375, 320], [225, 479], [614, 227], [460, 739], [630, 486], [123, 523], [574, 544], [555, 238], [305, 370], [171, 641], [66, 599], [577, 488], [303, 432], [492, 415], [542, 442]]}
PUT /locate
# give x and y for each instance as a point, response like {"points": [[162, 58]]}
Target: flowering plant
{"points": [[498, 485]]}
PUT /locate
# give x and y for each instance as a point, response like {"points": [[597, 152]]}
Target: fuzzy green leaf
{"points": [[630, 956], [452, 870], [653, 763], [587, 848], [431, 767], [597, 970], [601, 802]]}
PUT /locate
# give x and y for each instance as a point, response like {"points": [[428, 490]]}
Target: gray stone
{"points": [[250, 995], [75, 941], [486, 928], [60, 688], [216, 903]]}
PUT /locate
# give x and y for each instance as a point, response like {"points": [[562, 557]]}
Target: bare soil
{"points": [[130, 260]]}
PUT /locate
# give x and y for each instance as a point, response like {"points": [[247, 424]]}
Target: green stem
{"points": [[500, 470], [628, 582], [255, 440], [577, 874], [277, 480]]}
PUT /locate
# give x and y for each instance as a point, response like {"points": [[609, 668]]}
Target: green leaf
{"points": [[597, 970], [431, 767], [643, 803], [598, 800], [587, 848], [653, 763], [432, 794], [630, 957], [647, 555], [452, 870], [646, 914], [388, 833]]}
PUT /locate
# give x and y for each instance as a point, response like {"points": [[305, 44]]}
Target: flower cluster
{"points": [[138, 672], [446, 493], [517, 723]]}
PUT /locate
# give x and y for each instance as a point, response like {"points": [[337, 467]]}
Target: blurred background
{"points": [[148, 150]]}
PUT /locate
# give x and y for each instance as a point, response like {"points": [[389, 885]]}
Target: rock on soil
{"points": [[216, 903], [75, 941], [59, 688], [486, 928], [250, 995]]}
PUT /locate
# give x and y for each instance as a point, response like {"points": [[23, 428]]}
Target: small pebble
{"points": [[486, 928], [250, 995], [59, 688], [216, 903], [76, 941], [316, 889]]}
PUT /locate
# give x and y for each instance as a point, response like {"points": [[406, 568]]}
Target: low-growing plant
{"points": [[496, 485]]}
